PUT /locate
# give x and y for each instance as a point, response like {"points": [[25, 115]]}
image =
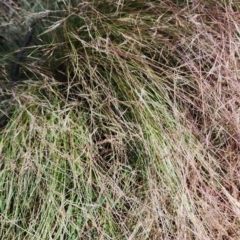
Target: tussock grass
{"points": [[125, 123]]}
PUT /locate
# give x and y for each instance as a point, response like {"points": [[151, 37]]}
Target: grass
{"points": [[125, 121]]}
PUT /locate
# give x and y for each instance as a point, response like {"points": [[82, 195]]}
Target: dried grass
{"points": [[125, 124]]}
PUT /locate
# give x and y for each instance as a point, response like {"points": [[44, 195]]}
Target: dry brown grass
{"points": [[125, 124]]}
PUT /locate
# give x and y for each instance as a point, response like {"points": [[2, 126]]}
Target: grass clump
{"points": [[124, 123]]}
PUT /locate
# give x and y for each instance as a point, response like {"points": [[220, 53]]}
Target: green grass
{"points": [[124, 123]]}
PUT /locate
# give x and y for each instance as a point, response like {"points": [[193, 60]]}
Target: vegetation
{"points": [[124, 123]]}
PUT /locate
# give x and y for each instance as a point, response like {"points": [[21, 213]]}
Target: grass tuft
{"points": [[124, 123]]}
